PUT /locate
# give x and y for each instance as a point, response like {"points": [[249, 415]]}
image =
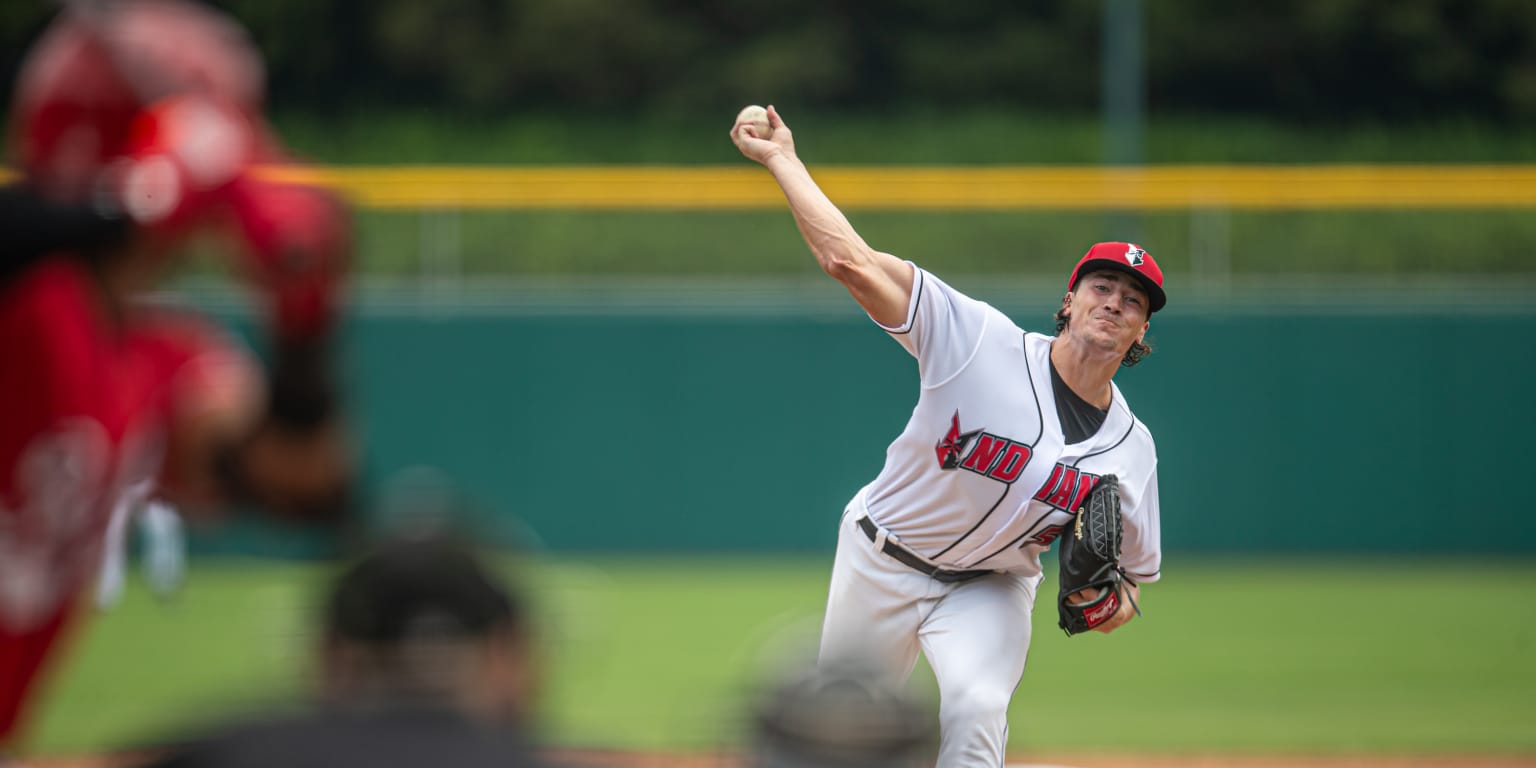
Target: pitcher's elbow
{"points": [[846, 268]]}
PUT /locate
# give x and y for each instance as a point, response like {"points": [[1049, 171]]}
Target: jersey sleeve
{"points": [[943, 329], [1141, 548]]}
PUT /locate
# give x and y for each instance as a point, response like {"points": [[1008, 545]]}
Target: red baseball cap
{"points": [[1129, 258]]}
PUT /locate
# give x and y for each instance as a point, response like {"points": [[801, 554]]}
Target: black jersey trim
{"points": [[1029, 372], [1128, 430], [1006, 490], [917, 301], [1012, 544]]}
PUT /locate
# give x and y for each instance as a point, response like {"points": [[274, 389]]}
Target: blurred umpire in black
{"points": [[426, 660], [839, 714]]}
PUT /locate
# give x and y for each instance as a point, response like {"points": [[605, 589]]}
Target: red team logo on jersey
{"points": [[953, 446], [991, 455]]}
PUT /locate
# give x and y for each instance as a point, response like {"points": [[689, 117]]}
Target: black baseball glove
{"points": [[1090, 559]]}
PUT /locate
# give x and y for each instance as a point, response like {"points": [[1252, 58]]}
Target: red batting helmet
{"points": [[98, 64]]}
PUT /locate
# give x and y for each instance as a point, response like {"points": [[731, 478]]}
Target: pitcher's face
{"points": [[1109, 310]]}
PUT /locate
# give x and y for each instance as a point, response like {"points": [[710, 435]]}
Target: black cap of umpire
{"points": [[427, 587], [841, 715]]}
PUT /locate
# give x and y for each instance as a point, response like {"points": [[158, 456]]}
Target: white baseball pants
{"points": [[975, 635]]}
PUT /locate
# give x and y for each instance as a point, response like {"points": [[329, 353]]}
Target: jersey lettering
{"points": [[1047, 535], [1012, 464], [994, 456], [987, 449], [1063, 495], [1050, 484], [1067, 488]]}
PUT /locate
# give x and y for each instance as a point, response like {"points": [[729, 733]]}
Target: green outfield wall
{"points": [[1344, 425]]}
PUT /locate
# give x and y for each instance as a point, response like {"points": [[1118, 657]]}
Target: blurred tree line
{"points": [[1298, 60]]}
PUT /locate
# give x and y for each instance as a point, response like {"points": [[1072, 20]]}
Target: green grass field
{"points": [[1264, 656]]}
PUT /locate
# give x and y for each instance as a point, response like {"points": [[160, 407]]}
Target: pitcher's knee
{"points": [[975, 705], [973, 729]]}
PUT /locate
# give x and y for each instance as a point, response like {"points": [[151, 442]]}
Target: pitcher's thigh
{"points": [[977, 640], [873, 609]]}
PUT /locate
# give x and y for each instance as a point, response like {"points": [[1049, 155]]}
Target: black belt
{"points": [[903, 556]]}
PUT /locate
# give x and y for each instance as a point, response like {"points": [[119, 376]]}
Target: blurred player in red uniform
{"points": [[135, 123]]}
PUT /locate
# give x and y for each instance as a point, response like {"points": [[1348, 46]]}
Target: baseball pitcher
{"points": [[1012, 434]]}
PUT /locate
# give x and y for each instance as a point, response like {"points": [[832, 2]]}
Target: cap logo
{"points": [[1133, 256]]}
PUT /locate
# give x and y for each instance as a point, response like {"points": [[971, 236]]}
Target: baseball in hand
{"points": [[757, 117]]}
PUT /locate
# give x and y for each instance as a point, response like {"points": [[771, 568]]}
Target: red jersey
{"points": [[79, 426]]}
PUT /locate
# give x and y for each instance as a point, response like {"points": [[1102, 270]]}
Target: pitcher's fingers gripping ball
{"points": [[762, 137], [756, 118]]}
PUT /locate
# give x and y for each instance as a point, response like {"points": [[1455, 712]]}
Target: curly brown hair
{"points": [[1138, 351]]}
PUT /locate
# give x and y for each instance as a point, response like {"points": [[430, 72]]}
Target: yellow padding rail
{"points": [[748, 187]]}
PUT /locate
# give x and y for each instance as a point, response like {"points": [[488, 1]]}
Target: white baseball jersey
{"points": [[982, 477]]}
